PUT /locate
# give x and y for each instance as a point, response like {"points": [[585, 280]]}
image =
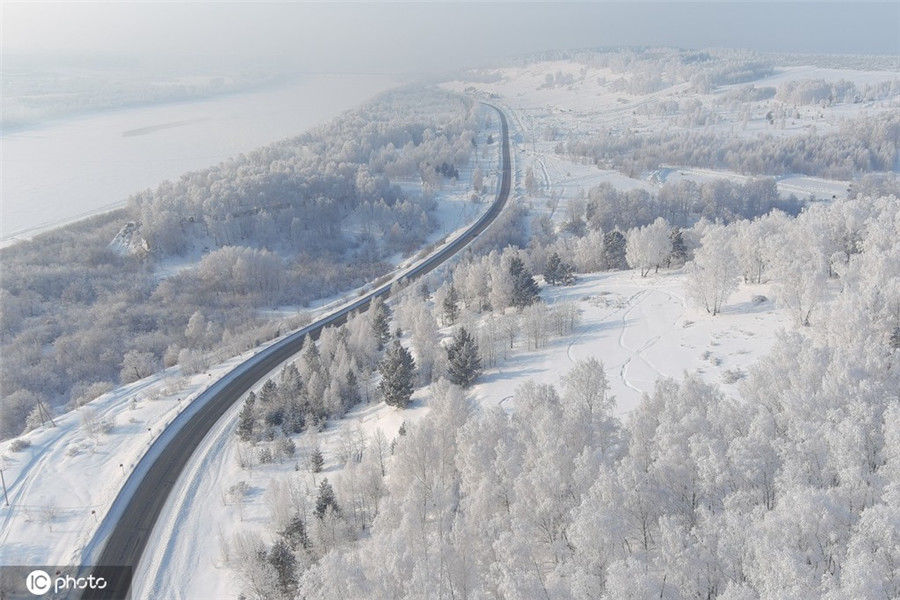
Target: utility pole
{"points": [[42, 410], [5, 497], [49, 416]]}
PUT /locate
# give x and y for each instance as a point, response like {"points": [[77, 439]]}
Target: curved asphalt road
{"points": [[127, 527]]}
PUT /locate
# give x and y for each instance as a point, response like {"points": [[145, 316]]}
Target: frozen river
{"points": [[69, 169]]}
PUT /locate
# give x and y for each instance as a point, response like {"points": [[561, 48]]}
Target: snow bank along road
{"points": [[123, 534]]}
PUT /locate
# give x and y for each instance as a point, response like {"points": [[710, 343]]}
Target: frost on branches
{"points": [[791, 490]]}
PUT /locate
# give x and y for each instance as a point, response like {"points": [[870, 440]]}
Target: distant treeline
{"points": [[860, 146]]}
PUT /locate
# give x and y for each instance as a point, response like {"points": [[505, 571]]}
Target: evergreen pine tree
{"points": [[268, 392], [525, 288], [294, 417], [566, 274], [464, 363], [351, 389], [295, 534], [451, 306], [614, 248], [291, 382], [678, 255], [246, 419], [397, 370], [285, 563], [551, 271], [316, 460], [559, 272], [381, 322], [326, 498], [311, 358]]}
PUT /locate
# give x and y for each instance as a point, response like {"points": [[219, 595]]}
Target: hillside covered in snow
{"points": [[669, 369]]}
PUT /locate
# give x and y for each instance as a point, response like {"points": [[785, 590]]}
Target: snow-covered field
{"points": [[801, 186], [642, 329], [97, 161], [860, 78]]}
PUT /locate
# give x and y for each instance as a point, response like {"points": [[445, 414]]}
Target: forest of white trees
{"points": [[787, 491], [861, 145], [703, 105], [320, 192], [298, 220]]}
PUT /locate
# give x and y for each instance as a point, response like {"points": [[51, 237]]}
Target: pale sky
{"points": [[428, 36]]}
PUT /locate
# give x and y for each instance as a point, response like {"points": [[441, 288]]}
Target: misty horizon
{"points": [[424, 37]]}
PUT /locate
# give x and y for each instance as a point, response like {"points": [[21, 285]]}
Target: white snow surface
{"points": [[641, 329]]}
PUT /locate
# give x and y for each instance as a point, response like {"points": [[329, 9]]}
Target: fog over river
{"points": [[64, 170]]}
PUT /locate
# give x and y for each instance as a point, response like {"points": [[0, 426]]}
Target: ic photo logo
{"points": [[38, 582]]}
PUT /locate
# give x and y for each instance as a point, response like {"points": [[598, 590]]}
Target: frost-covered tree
{"points": [[316, 460], [326, 499], [801, 273], [450, 305], [500, 284], [588, 253], [195, 332], [757, 243], [714, 273], [678, 254], [478, 180], [284, 562], [381, 321], [463, 360], [247, 419], [424, 338], [397, 370], [350, 389], [614, 249], [294, 533], [535, 323], [137, 365], [648, 247]]}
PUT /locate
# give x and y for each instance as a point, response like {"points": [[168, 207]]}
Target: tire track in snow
{"points": [[638, 353], [657, 338], [623, 369], [606, 315]]}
